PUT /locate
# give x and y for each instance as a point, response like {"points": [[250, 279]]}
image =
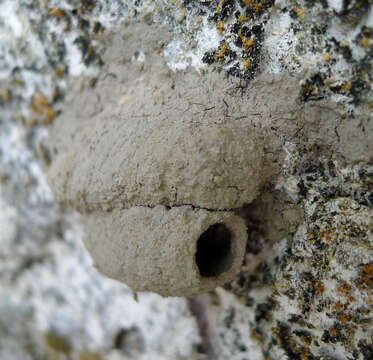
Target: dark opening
{"points": [[214, 251]]}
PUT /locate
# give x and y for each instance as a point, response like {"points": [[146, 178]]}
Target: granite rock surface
{"points": [[305, 288]]}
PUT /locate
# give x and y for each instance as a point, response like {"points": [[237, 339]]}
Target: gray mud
{"points": [[144, 140]]}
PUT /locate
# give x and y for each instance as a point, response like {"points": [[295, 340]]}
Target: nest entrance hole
{"points": [[214, 250]]}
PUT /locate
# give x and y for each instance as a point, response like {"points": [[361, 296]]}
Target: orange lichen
{"points": [[346, 86], [223, 50], [344, 288], [220, 27], [90, 356], [343, 319], [248, 44], [19, 116], [247, 63], [256, 336], [49, 116], [305, 354], [320, 288], [258, 7], [98, 29], [31, 122], [90, 50], [28, 181], [5, 95], [60, 71], [55, 94], [368, 275], [305, 340], [243, 18], [58, 12], [4, 178], [183, 15], [327, 57], [333, 332], [368, 269], [365, 42], [16, 82], [42, 107], [300, 12], [39, 102], [325, 235]]}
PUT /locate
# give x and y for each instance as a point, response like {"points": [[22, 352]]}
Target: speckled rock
{"points": [[306, 297]]}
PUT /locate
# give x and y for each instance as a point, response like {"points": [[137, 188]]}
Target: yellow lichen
{"points": [[60, 71], [346, 87], [58, 344], [258, 7], [327, 57], [300, 12], [369, 269], [343, 319], [42, 107], [320, 288], [19, 116], [183, 15], [243, 18], [365, 42], [16, 82], [223, 50], [305, 340], [305, 354], [87, 355], [58, 12], [3, 178], [5, 95], [255, 335], [333, 331], [31, 122], [247, 43]]}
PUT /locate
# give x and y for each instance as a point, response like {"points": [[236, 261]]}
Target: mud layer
{"points": [[145, 137]]}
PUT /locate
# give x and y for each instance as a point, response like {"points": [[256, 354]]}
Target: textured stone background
{"points": [[311, 298]]}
